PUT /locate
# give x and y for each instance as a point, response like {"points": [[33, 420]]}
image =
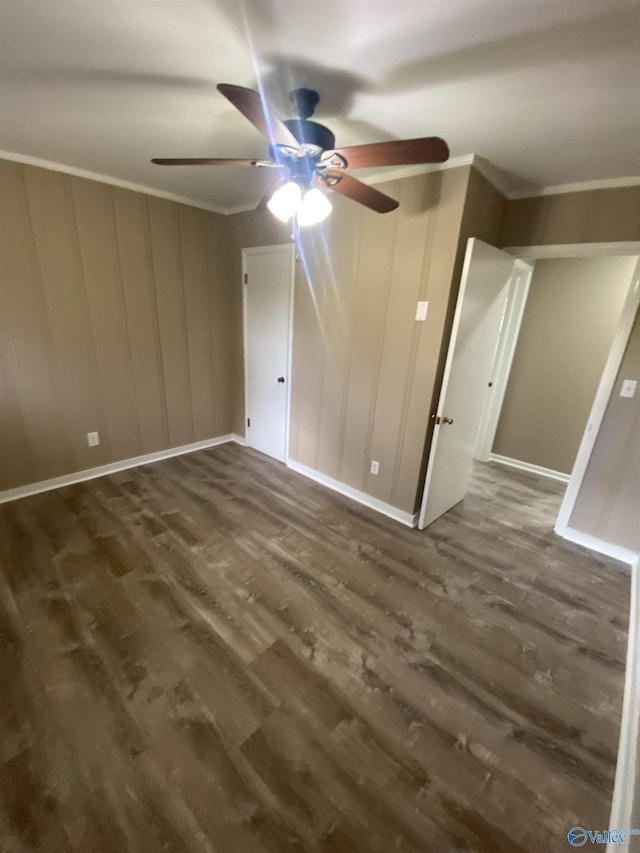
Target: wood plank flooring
{"points": [[212, 653]]}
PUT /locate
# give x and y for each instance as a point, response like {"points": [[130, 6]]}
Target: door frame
{"points": [[284, 248], [605, 389], [607, 380]]}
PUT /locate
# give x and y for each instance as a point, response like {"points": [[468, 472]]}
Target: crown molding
{"points": [[243, 208], [580, 186], [493, 175], [411, 171], [484, 166], [574, 250], [27, 160]]}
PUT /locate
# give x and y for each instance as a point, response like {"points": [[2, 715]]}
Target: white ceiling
{"points": [[547, 90]]}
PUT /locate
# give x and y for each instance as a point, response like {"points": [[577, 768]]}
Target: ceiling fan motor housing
{"points": [[314, 137]]}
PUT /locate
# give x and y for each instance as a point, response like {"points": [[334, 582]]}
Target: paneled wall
{"points": [[482, 217], [121, 313], [569, 323], [364, 371], [608, 504], [115, 316], [590, 216]]}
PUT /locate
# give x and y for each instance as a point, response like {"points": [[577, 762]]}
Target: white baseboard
{"points": [[529, 468], [355, 495], [239, 439], [616, 552], [111, 468], [629, 745]]}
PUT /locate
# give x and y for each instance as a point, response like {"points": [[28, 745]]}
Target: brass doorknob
{"points": [[447, 420], [280, 378]]}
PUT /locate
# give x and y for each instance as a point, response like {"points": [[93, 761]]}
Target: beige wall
{"points": [[591, 216], [115, 316], [567, 329], [364, 371], [608, 503], [121, 313]]}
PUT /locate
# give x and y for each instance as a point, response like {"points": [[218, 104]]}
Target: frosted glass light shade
{"points": [[313, 208], [285, 201]]}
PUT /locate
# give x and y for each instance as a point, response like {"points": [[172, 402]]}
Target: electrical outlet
{"points": [[375, 467], [93, 439], [628, 388]]}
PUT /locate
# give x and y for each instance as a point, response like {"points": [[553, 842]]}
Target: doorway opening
{"points": [[506, 382]]}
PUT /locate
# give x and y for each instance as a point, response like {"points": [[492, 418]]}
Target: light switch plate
{"points": [[628, 388], [421, 311], [93, 439]]}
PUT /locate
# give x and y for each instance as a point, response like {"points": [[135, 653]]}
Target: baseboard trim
{"points": [[349, 492], [238, 439], [616, 552], [529, 468], [111, 468], [628, 746]]}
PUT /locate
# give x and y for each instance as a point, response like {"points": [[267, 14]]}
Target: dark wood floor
{"points": [[212, 653]]}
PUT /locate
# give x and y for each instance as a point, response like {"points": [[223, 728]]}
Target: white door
{"points": [[268, 286], [503, 359], [484, 287]]}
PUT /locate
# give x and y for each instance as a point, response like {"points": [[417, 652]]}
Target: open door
{"points": [[505, 351], [482, 299]]}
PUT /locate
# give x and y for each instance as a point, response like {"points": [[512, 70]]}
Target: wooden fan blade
{"points": [[267, 198], [398, 152], [250, 105], [209, 161], [342, 183]]}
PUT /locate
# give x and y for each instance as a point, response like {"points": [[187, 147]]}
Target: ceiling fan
{"points": [[304, 152]]}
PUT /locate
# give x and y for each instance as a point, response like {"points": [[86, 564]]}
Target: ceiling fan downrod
{"points": [[304, 102]]}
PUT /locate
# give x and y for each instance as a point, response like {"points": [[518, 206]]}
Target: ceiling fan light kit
{"points": [[303, 151], [285, 200], [309, 206], [314, 208]]}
